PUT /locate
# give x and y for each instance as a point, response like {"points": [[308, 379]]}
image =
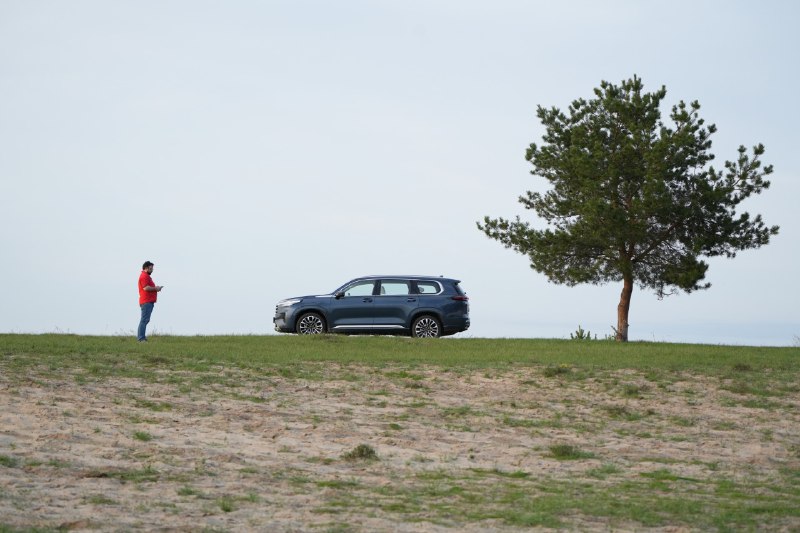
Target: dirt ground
{"points": [[269, 454]]}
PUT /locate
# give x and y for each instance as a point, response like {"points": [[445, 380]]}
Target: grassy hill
{"points": [[337, 433]]}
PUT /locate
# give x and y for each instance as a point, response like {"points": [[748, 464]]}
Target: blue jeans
{"points": [[147, 310]]}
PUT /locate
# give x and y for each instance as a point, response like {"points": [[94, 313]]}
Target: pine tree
{"points": [[633, 199]]}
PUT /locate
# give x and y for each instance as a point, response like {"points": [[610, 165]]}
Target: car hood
{"points": [[308, 297]]}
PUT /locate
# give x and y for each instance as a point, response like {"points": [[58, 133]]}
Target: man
{"points": [[148, 294]]}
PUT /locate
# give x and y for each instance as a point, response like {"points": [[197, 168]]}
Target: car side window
{"points": [[394, 288], [427, 287], [363, 288]]}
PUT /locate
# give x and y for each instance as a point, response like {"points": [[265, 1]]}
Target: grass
{"points": [[143, 436], [587, 480], [288, 356], [519, 500], [100, 499], [226, 504], [8, 461], [568, 452], [362, 452], [188, 491]]}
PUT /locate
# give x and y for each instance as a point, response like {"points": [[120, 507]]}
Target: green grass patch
{"points": [[659, 499], [100, 499], [8, 461], [226, 504], [146, 474], [188, 491], [622, 412], [362, 452], [142, 436], [568, 452], [287, 356], [153, 406]]}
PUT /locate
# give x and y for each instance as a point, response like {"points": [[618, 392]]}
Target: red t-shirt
{"points": [[146, 297]]}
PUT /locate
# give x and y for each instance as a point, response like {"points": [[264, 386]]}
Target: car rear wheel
{"points": [[310, 324], [426, 326]]}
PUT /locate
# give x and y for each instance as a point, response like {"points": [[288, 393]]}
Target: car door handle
{"points": [[411, 300], [367, 300]]}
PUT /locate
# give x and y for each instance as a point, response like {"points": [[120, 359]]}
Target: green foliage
{"points": [[362, 452], [581, 335], [604, 471], [188, 491], [226, 504], [556, 370], [143, 436], [633, 198], [8, 461], [568, 452]]}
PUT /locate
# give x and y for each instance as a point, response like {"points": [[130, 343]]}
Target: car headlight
{"points": [[290, 302]]}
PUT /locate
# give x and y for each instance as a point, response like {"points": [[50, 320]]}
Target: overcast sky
{"points": [[256, 150]]}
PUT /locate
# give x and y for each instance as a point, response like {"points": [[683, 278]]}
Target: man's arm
{"points": [[153, 288]]}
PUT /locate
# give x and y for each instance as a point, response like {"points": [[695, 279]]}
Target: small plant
{"points": [[362, 452], [623, 413], [683, 421], [8, 462], [581, 335], [148, 473], [143, 436], [226, 504], [604, 471], [568, 452], [153, 406], [186, 490], [553, 371], [457, 412], [99, 499], [518, 422], [632, 390]]}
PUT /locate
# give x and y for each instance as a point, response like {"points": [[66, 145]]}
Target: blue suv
{"points": [[412, 305]]}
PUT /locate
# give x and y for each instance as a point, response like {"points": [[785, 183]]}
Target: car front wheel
{"points": [[310, 324], [426, 326]]}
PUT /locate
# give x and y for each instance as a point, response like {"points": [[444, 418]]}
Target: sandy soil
{"points": [[267, 454]]}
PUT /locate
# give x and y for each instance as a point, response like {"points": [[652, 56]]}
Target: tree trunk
{"points": [[623, 308]]}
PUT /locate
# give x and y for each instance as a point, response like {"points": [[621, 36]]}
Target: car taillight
{"points": [[460, 298]]}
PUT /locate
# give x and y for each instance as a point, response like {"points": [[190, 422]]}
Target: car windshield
{"points": [[352, 283]]}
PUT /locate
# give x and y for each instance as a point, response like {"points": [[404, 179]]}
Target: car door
{"points": [[394, 304], [352, 307]]}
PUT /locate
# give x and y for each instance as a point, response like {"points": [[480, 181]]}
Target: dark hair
{"points": [[146, 264]]}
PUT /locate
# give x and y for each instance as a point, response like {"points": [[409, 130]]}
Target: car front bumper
{"points": [[281, 320]]}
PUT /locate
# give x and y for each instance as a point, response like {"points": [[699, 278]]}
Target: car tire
{"points": [[310, 324], [426, 326]]}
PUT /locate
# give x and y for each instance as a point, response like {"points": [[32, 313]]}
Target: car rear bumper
{"points": [[456, 326]]}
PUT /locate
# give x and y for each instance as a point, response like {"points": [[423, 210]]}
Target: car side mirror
{"points": [[339, 295]]}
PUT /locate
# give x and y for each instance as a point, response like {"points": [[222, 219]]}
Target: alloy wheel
{"points": [[310, 324], [427, 327]]}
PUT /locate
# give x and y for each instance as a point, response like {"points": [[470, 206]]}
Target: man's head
{"points": [[147, 267]]}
